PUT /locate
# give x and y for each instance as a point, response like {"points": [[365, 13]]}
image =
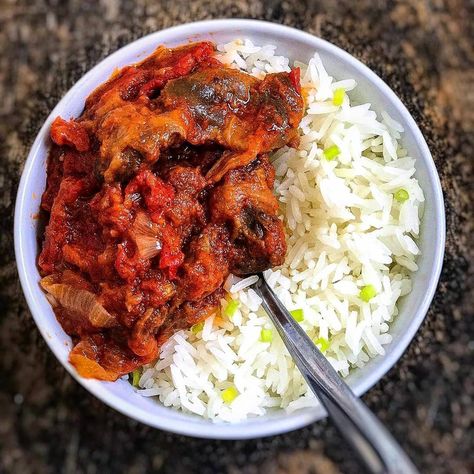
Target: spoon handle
{"points": [[358, 425]]}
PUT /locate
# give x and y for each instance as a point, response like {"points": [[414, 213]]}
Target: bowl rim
{"points": [[244, 430]]}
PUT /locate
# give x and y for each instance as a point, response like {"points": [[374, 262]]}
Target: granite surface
{"points": [[424, 51]]}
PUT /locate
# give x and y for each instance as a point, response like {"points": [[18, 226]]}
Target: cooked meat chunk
{"points": [[137, 82], [207, 265], [215, 104], [243, 114], [245, 201]]}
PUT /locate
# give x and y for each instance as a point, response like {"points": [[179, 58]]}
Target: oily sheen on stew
{"points": [[158, 191]]}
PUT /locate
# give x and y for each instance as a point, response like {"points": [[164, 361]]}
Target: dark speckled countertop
{"points": [[424, 51]]}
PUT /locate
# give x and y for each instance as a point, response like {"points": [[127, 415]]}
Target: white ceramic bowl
{"points": [[295, 45]]}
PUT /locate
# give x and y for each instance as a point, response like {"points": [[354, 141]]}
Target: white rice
{"points": [[344, 231]]}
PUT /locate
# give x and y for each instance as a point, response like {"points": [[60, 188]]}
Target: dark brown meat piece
{"points": [[121, 112], [207, 264], [241, 113], [138, 81], [219, 105], [245, 202], [190, 313]]}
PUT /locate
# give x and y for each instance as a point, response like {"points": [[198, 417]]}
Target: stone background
{"points": [[424, 51]]}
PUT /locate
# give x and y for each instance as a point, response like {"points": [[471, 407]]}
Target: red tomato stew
{"points": [[159, 190]]}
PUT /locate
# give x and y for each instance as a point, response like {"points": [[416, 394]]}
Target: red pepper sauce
{"points": [[158, 191]]}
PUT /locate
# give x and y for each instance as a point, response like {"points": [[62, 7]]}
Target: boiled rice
{"points": [[344, 231]]}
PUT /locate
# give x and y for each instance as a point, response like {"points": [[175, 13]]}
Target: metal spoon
{"points": [[368, 437]]}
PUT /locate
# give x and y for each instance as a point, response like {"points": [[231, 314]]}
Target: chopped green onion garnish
{"points": [[197, 327], [229, 394], [298, 315], [367, 293], [401, 195], [322, 343], [266, 335], [331, 152], [231, 308], [338, 97], [136, 377]]}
